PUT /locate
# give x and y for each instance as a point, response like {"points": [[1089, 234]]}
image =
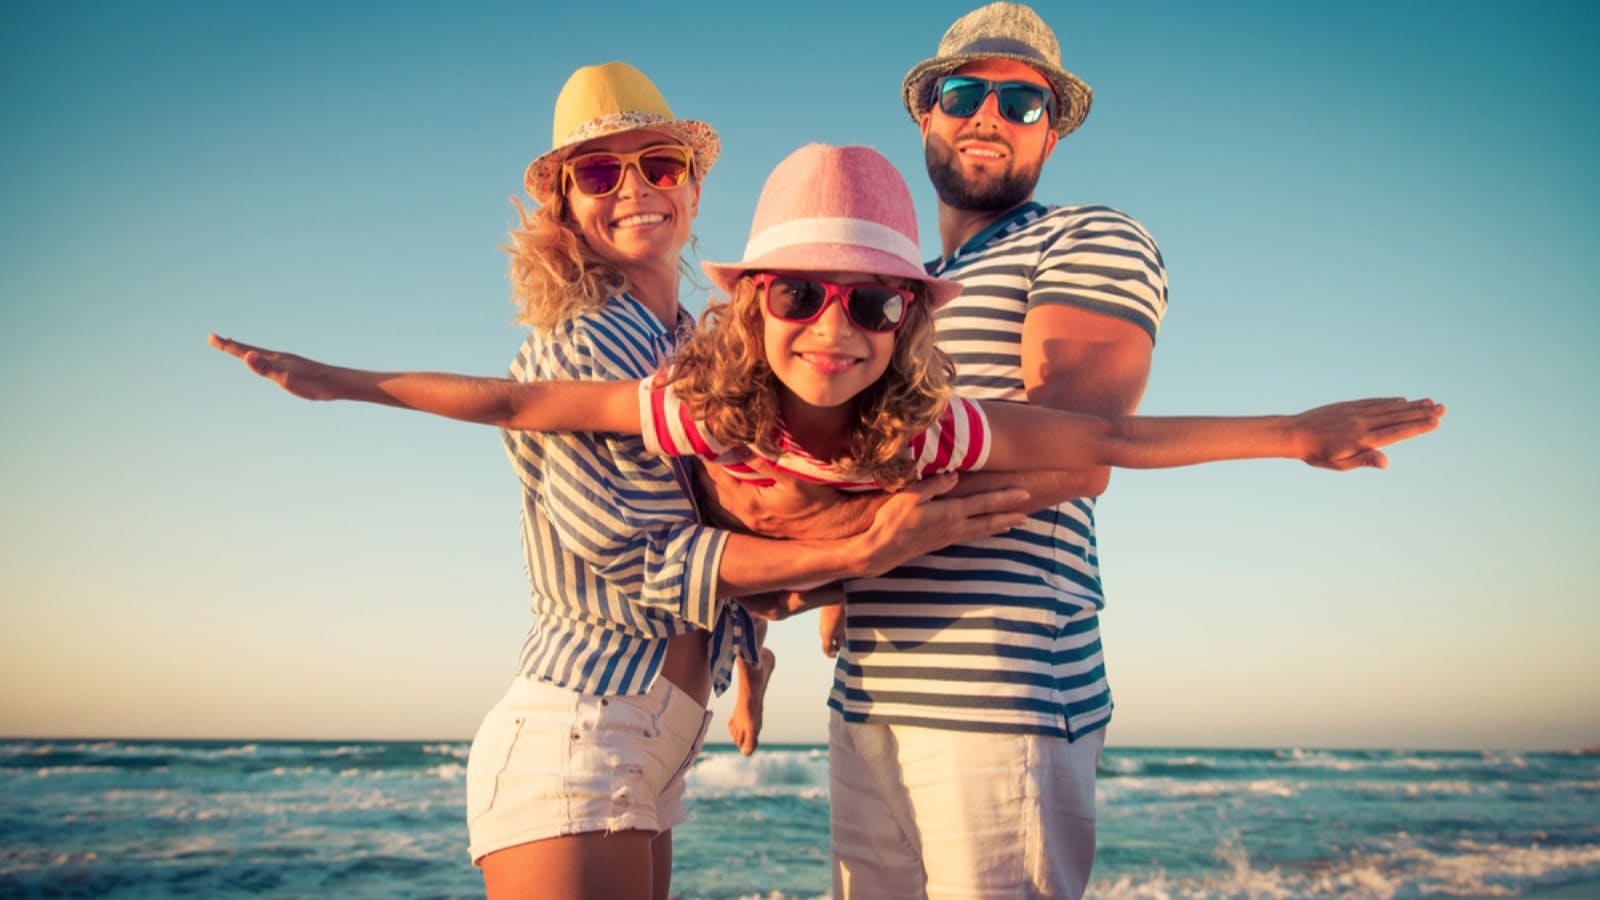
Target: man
{"points": [[970, 699]]}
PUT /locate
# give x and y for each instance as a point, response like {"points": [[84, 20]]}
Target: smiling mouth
{"points": [[829, 363], [982, 152], [638, 219]]}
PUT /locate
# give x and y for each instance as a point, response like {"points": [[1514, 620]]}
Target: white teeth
{"points": [[829, 360], [640, 219]]}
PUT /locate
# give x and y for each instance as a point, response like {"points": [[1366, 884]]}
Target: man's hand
{"points": [[912, 523]]}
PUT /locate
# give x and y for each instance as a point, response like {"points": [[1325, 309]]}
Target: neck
{"points": [[957, 226], [824, 431], [656, 286]]}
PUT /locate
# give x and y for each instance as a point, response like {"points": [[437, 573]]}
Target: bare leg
{"points": [[661, 857], [744, 726], [830, 625], [589, 866]]}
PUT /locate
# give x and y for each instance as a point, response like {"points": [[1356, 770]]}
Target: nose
{"points": [[988, 111], [833, 320], [633, 183]]}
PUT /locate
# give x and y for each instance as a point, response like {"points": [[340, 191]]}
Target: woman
{"points": [[575, 778]]}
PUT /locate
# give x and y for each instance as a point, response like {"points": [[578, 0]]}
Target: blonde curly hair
{"points": [[721, 374], [555, 275]]}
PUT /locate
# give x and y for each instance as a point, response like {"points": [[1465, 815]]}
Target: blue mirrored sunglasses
{"points": [[1021, 102]]}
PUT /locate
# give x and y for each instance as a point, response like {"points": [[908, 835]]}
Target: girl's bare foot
{"points": [[830, 626], [745, 723]]}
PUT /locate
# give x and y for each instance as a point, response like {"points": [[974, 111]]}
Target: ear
{"points": [[1050, 142], [925, 123], [694, 199]]}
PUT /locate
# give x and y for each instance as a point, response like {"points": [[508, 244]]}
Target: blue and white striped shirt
{"points": [[616, 558], [1001, 635]]}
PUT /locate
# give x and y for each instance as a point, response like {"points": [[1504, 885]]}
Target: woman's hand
{"points": [[299, 376]]}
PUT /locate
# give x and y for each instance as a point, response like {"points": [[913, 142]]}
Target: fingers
{"points": [[257, 363], [1400, 431], [932, 486], [1402, 412], [1003, 500], [228, 345], [1367, 459], [976, 527]]}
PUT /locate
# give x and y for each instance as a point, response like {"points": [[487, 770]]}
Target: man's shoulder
{"points": [[1084, 215]]}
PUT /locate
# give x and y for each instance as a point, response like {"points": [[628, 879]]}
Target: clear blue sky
{"points": [[1368, 198]]}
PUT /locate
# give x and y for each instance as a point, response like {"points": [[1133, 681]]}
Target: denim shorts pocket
{"points": [[488, 759]]}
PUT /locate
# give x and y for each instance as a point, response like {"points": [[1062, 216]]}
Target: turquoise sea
{"points": [[283, 819]]}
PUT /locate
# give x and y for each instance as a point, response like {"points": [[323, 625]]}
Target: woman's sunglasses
{"points": [[598, 174], [799, 298], [1021, 102]]}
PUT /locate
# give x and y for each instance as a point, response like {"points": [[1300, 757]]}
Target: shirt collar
{"points": [[1027, 212]]}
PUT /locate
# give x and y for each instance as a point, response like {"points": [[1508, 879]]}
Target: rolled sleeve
{"points": [[625, 512], [1107, 263]]}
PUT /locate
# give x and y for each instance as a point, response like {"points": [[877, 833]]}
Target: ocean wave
{"points": [[1126, 789], [765, 772], [1466, 869]]}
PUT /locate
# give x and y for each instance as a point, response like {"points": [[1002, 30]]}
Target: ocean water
{"points": [[384, 820]]}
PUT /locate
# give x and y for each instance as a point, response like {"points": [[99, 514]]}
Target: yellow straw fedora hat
{"points": [[1000, 31], [607, 99]]}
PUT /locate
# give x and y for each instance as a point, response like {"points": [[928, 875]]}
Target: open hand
{"points": [[1343, 436], [912, 523], [299, 376]]}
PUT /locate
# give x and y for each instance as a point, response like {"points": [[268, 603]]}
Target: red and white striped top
{"points": [[957, 442]]}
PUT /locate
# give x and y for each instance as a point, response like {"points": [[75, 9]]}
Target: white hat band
{"points": [[857, 232]]}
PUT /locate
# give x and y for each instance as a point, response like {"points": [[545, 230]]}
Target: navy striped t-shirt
{"points": [[1001, 635]]}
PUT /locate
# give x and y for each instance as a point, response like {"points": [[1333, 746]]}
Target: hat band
{"points": [[857, 232], [1002, 45], [612, 123]]}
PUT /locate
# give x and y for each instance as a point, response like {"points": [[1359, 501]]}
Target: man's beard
{"points": [[994, 195]]}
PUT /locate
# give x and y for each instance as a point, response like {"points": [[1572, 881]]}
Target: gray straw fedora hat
{"points": [[1000, 31]]}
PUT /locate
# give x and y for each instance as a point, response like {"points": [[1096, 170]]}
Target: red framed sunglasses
{"points": [[870, 306]]}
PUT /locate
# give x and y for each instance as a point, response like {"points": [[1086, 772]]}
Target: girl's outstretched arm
{"points": [[599, 406], [1338, 436]]}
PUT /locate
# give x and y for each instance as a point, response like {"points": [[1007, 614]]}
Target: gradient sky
{"points": [[1358, 199]]}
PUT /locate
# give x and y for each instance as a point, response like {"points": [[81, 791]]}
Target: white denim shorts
{"points": [[548, 762]]}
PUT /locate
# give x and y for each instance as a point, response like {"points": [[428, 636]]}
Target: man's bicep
{"points": [[1084, 361]]}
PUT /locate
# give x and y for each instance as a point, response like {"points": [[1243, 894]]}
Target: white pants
{"points": [[930, 813]]}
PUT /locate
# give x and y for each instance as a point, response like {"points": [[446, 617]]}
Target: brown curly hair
{"points": [[721, 374]]}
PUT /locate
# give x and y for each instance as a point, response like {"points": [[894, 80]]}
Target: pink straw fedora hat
{"points": [[1000, 31], [834, 209], [610, 99]]}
